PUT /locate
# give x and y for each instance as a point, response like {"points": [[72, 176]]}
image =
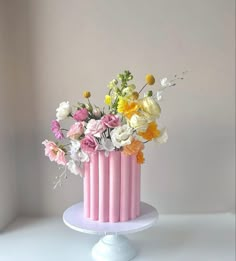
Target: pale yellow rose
{"points": [[139, 122], [150, 106]]}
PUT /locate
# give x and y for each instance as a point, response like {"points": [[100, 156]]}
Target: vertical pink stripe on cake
{"points": [[86, 190], [103, 165], [125, 187], [94, 186], [133, 186], [114, 182], [138, 190]]}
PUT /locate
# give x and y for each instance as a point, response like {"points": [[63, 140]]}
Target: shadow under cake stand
{"points": [[113, 246]]}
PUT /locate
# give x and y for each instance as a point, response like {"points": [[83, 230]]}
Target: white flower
{"points": [[107, 145], [97, 113], [159, 95], [128, 90], [76, 154], [163, 136], [74, 167], [63, 111], [139, 122], [165, 82], [83, 157], [121, 136]]}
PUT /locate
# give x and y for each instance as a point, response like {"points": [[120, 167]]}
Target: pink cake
{"points": [[112, 187]]}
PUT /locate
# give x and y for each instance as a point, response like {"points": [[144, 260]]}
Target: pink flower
{"points": [[89, 144], [56, 129], [95, 127], [54, 152], [110, 121], [81, 115], [75, 131]]}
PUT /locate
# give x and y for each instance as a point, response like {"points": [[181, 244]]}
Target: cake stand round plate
{"points": [[112, 246]]}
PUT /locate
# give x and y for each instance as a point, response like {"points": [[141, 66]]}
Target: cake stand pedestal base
{"points": [[113, 246]]}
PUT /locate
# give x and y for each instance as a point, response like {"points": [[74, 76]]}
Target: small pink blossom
{"points": [[54, 152], [81, 115], [95, 127], [89, 144], [75, 131], [56, 129], [110, 121]]}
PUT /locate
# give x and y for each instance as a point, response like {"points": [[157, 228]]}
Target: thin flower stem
{"points": [[142, 88], [64, 129]]}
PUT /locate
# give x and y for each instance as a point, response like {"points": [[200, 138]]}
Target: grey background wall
{"points": [[65, 47], [8, 186]]}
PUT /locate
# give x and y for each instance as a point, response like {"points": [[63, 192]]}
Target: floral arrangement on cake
{"points": [[129, 121]]}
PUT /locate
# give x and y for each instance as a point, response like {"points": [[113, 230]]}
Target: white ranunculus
{"points": [[149, 105], [121, 136], [63, 111], [165, 82], [139, 122], [163, 136], [74, 167]]}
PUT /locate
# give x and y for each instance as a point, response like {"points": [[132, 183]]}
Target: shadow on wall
{"points": [[18, 107]]}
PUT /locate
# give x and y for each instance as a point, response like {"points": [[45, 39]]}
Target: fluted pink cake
{"points": [[112, 187]]}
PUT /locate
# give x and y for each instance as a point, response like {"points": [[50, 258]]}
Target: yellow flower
{"points": [[140, 158], [150, 80], [128, 109], [86, 94], [151, 132], [122, 105], [108, 100]]}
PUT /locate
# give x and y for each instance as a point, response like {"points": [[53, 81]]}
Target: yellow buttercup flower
{"points": [[108, 100], [86, 94], [128, 109], [151, 132], [150, 80]]}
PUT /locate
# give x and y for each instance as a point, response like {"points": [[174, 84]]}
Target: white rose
{"points": [[139, 122], [106, 145], [63, 111], [121, 136], [149, 105], [74, 168], [163, 136]]}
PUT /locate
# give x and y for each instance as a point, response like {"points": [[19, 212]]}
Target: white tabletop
{"points": [[173, 238], [74, 218]]}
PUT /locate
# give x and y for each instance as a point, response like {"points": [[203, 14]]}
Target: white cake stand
{"points": [[112, 246]]}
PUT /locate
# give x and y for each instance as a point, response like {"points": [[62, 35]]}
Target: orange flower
{"points": [[133, 148], [151, 132], [140, 158]]}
